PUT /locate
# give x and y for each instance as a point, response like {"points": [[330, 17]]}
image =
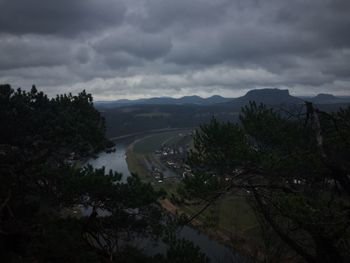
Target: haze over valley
{"points": [[132, 116]]}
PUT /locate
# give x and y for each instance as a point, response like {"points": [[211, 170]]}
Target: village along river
{"points": [[215, 251]]}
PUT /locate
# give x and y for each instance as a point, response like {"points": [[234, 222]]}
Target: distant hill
{"points": [[323, 98], [125, 117], [268, 97], [274, 97], [163, 101]]}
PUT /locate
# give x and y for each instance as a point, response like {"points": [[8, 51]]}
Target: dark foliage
{"points": [[52, 210], [293, 168]]}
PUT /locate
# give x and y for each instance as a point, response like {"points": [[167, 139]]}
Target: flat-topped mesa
{"points": [[268, 93], [269, 96]]}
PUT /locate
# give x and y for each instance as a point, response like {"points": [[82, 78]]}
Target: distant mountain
{"points": [[161, 113], [163, 101], [116, 103], [172, 101], [217, 99], [267, 96], [323, 98]]}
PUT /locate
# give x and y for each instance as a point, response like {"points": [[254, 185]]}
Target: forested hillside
{"points": [[44, 195], [123, 120], [292, 168]]}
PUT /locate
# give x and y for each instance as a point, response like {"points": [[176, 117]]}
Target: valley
{"points": [[230, 220]]}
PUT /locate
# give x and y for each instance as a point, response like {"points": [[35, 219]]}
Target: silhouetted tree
{"points": [[293, 168], [44, 194]]}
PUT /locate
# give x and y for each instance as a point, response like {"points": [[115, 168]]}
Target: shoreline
{"points": [[149, 132], [235, 243]]}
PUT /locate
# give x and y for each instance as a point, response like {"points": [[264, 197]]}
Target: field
{"points": [[151, 143], [141, 156], [231, 215]]}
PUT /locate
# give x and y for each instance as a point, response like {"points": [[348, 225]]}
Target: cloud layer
{"points": [[137, 48]]}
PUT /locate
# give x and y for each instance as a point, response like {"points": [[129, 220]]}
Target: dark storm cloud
{"points": [[34, 51], [58, 17], [135, 43], [161, 14], [135, 48], [270, 28]]}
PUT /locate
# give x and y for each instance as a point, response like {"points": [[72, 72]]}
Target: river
{"points": [[113, 161], [215, 251]]}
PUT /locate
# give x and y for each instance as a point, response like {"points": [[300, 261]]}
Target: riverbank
{"points": [[233, 242], [233, 213], [213, 249], [143, 133]]}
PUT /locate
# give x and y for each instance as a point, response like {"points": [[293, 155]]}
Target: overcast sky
{"points": [[145, 48]]}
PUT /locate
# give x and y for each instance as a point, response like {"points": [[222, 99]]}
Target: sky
{"points": [[128, 49]]}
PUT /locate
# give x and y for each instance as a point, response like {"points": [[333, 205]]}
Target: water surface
{"points": [[114, 161], [216, 252]]}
